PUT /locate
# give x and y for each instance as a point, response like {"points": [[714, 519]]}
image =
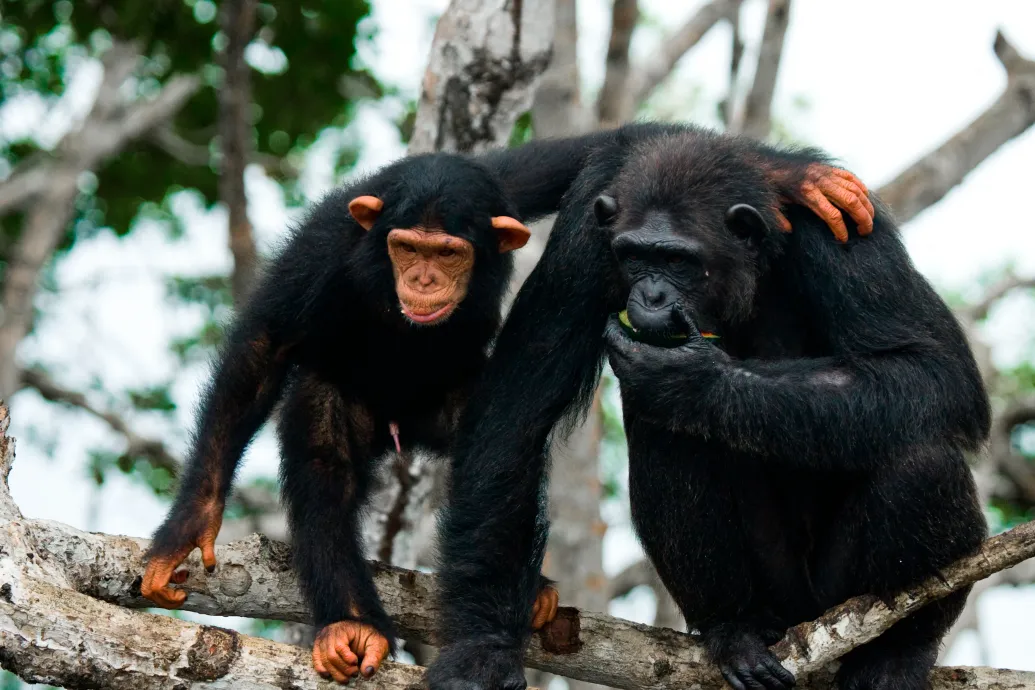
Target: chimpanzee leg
{"points": [[918, 514], [327, 447]]}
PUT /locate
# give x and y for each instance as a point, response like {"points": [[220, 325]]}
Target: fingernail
{"points": [[368, 671], [210, 568]]}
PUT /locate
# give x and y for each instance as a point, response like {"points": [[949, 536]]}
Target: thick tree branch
{"points": [[254, 579], [108, 128], [929, 179], [728, 105], [612, 106], [237, 20], [675, 47], [1004, 286], [757, 117], [484, 65]]}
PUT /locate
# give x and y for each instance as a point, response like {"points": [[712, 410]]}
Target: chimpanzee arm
{"points": [[536, 175], [246, 384], [546, 362], [899, 372]]}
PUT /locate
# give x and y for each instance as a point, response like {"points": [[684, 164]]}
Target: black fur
{"points": [[815, 454]]}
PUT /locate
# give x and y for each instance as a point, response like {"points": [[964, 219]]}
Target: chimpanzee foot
{"points": [[745, 660]]}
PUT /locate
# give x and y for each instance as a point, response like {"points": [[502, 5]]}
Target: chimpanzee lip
{"points": [[428, 317]]}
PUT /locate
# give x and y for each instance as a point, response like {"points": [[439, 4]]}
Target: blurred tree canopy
{"points": [[302, 57]]}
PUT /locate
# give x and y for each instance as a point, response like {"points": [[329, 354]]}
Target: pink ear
{"points": [[510, 233], [366, 209]]}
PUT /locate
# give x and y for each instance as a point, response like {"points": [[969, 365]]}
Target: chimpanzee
{"points": [[373, 326], [797, 411]]}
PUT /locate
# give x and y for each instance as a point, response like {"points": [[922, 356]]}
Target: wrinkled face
{"points": [[433, 268], [432, 271], [675, 273]]}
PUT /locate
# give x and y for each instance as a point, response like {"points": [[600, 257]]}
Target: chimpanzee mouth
{"points": [[428, 318], [665, 338]]}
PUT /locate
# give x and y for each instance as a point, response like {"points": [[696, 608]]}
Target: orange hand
{"points": [[545, 608], [342, 648], [161, 570], [826, 189]]}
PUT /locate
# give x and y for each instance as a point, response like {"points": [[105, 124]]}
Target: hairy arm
{"points": [[899, 372], [247, 382], [546, 363], [536, 175]]}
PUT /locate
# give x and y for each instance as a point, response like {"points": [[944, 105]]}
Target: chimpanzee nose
{"points": [[656, 296]]}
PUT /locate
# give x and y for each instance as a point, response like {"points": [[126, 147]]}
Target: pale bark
{"points": [[48, 187], [484, 66], [237, 21], [757, 115], [613, 104], [672, 49], [254, 578], [929, 179]]}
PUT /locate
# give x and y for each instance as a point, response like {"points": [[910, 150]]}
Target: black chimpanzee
{"points": [[809, 449], [373, 326]]}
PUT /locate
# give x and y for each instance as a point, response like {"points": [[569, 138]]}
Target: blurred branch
{"points": [[484, 66], [136, 445], [612, 106], [757, 117], [254, 501], [557, 105], [638, 574], [674, 47], [929, 179], [1007, 284], [49, 191], [189, 153], [728, 105], [237, 21]]}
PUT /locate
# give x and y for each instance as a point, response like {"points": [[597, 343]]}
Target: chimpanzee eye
{"points": [[446, 252], [675, 259], [408, 248]]}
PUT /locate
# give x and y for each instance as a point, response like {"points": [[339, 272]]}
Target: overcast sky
{"points": [[883, 85]]}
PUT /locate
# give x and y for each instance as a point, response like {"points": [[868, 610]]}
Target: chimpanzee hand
{"points": [[651, 374], [183, 531], [346, 648], [477, 665]]}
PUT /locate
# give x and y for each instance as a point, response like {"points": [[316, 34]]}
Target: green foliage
{"points": [[522, 132], [154, 398], [158, 479], [303, 58]]}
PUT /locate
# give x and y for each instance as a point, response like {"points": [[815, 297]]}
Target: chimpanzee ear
{"points": [[605, 208], [366, 209], [746, 222], [510, 233]]}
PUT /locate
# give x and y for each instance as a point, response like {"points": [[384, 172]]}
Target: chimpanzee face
{"points": [[685, 265]]}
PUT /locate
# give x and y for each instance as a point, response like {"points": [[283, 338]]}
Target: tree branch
{"points": [[1007, 284], [757, 117], [929, 179], [675, 47], [484, 65], [237, 20], [254, 579], [557, 108], [612, 106]]}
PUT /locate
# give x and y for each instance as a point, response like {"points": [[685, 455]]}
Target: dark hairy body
{"points": [[377, 317], [812, 453]]}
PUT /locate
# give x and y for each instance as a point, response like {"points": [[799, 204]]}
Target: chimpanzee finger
{"points": [[208, 553], [732, 679], [850, 201], [782, 223], [748, 678], [768, 679], [617, 340], [374, 652], [781, 673], [819, 205], [179, 577], [850, 176]]}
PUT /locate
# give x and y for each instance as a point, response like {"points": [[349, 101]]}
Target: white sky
{"points": [[885, 81]]}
